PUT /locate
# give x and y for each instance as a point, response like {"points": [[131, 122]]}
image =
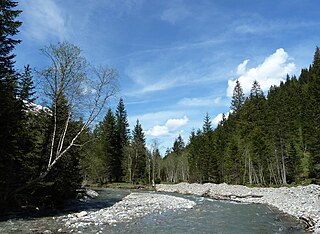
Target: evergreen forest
{"points": [[267, 139]]}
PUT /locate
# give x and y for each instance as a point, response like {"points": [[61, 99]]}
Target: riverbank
{"points": [[302, 202], [133, 206]]}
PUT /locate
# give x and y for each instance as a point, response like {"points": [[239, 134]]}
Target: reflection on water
{"points": [[208, 216]]}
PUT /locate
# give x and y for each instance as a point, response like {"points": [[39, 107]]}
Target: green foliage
{"points": [[12, 115], [238, 98], [266, 140], [106, 159], [26, 91], [157, 180], [139, 157], [123, 137]]}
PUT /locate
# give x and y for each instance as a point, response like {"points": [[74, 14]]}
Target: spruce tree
{"points": [[313, 114], [26, 92], [256, 91], [122, 129], [109, 142], [238, 97], [178, 145], [10, 107], [139, 157], [207, 127], [9, 28]]}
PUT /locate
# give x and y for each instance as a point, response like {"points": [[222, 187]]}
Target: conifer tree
{"points": [[238, 98], [140, 154], [313, 115], [178, 145], [256, 91], [207, 124], [26, 92], [10, 107], [9, 28], [109, 142], [122, 128]]}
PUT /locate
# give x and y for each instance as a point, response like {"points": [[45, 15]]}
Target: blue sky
{"points": [[177, 59]]}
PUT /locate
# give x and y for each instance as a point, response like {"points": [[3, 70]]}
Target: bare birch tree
{"points": [[86, 90]]}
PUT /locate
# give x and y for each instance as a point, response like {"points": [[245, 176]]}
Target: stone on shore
{"points": [[133, 206]]}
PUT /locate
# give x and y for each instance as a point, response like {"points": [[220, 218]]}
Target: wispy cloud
{"points": [[259, 25], [167, 73], [43, 19], [203, 101], [273, 70], [122, 7], [175, 13]]}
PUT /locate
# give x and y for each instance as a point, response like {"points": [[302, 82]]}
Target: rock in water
{"points": [[81, 214], [91, 193]]}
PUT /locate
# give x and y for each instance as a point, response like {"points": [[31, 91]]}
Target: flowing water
{"points": [[208, 216]]}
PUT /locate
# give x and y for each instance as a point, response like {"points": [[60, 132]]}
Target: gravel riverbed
{"points": [[133, 206], [302, 202]]}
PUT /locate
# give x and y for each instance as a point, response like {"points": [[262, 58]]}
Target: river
{"points": [[208, 216]]}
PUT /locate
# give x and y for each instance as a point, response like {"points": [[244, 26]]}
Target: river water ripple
{"points": [[208, 216]]}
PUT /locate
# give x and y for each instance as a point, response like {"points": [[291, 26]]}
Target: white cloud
{"points": [[273, 70], [218, 118], [173, 124], [167, 129], [157, 131], [153, 118], [43, 18], [195, 102], [242, 67]]}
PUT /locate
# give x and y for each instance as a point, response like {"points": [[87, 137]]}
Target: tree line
{"points": [[268, 139], [46, 153]]}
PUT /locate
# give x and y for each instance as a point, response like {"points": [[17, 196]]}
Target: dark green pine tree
{"points": [[207, 127], [123, 136], [238, 98], [10, 106], [194, 159], [178, 145], [26, 92], [31, 132], [313, 114], [9, 28], [221, 142], [139, 154], [316, 61], [293, 164], [209, 152], [256, 91], [109, 142]]}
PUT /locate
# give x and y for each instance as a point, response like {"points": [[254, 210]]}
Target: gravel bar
{"points": [[302, 202], [133, 206]]}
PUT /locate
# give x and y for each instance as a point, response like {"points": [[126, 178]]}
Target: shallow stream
{"points": [[208, 216]]}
